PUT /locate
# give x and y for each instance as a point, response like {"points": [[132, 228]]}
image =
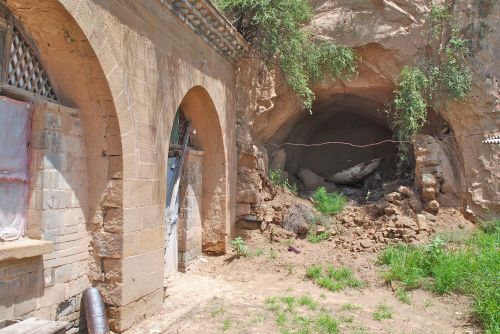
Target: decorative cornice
{"points": [[208, 23]]}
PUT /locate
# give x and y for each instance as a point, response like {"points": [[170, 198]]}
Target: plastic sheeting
{"points": [[171, 216], [15, 125]]}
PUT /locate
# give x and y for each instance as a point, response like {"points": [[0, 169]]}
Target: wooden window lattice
{"points": [[25, 70]]}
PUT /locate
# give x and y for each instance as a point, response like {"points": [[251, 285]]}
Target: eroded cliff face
{"points": [[388, 35]]}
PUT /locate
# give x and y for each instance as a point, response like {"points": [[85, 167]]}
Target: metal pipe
{"points": [[94, 312]]}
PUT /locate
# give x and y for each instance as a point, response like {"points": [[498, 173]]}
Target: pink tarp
{"points": [[15, 126]]}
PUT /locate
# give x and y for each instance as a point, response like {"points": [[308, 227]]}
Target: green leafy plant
{"points": [[410, 102], [440, 15], [471, 269], [258, 252], [316, 238], [239, 247], [274, 28], [446, 76], [327, 202]]}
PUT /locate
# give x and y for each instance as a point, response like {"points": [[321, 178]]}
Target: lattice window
{"points": [[25, 70]]}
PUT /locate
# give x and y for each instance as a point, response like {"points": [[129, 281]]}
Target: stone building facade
{"points": [[119, 71]]}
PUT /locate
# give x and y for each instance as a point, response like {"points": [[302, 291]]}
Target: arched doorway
{"points": [[196, 182], [76, 139]]}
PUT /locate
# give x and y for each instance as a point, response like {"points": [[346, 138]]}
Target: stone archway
{"points": [[206, 136], [78, 57]]}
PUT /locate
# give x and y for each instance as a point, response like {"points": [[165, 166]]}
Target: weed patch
{"points": [[403, 295], [382, 312], [471, 269], [239, 247], [350, 307], [308, 301], [277, 178], [226, 325], [329, 203], [316, 238], [333, 279], [302, 315]]}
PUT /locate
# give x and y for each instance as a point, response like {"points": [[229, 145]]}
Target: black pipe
{"points": [[94, 313]]}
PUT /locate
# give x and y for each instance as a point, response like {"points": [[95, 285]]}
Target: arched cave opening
{"points": [[345, 145]]}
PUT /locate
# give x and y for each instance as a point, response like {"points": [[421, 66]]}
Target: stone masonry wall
{"points": [[128, 66], [50, 286]]}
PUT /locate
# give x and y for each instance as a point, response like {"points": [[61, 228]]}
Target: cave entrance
{"points": [[339, 148]]}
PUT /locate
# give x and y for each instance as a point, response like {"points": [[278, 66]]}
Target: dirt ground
{"points": [[228, 295]]}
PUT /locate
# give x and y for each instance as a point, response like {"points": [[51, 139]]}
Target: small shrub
{"points": [[443, 77], [382, 312], [329, 203], [410, 102], [239, 247], [439, 17]]}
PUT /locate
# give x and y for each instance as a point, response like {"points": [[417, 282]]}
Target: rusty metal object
{"points": [[95, 312]]}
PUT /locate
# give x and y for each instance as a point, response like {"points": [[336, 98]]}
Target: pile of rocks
{"points": [[398, 218]]}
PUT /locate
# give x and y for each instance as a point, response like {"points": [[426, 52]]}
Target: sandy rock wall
{"points": [[388, 35]]}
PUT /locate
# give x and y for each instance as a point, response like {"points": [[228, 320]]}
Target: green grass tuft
{"points": [[382, 312], [281, 318], [403, 296], [350, 307], [226, 325], [326, 324], [308, 301], [315, 238], [471, 269], [333, 279]]}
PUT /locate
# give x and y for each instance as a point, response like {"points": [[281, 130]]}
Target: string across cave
{"points": [[344, 119]]}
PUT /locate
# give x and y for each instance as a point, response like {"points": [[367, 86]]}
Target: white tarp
{"points": [[171, 216], [15, 120]]}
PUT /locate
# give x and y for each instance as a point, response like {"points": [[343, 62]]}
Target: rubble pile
{"points": [[398, 218]]}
